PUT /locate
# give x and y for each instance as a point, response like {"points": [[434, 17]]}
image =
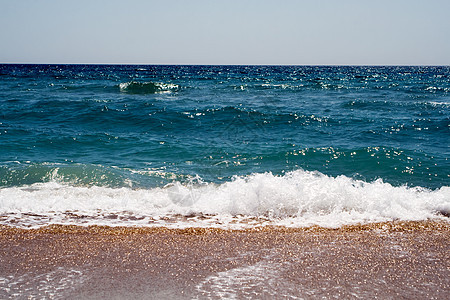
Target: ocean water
{"points": [[223, 146]]}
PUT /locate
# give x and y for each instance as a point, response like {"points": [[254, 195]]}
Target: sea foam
{"points": [[136, 87], [298, 199]]}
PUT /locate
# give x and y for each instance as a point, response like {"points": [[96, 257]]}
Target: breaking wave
{"points": [[135, 87], [296, 199]]}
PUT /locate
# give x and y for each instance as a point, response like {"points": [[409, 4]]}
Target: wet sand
{"points": [[386, 260]]}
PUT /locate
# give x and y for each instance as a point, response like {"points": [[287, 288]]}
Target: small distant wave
{"points": [[386, 105], [435, 89], [136, 87], [438, 104]]}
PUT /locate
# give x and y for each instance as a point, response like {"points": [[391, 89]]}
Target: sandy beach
{"points": [[386, 260]]}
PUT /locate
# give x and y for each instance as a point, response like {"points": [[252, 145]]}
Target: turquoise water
{"points": [[151, 127]]}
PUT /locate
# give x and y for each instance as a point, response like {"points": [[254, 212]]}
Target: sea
{"points": [[223, 146]]}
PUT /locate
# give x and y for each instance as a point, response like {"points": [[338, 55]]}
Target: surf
{"points": [[296, 199]]}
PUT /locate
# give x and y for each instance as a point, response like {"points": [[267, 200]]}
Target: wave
{"points": [[439, 104], [135, 87], [219, 159], [296, 199], [76, 174], [386, 105], [82, 175]]}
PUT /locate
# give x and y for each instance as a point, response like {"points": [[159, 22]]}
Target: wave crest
{"points": [[136, 87], [296, 199]]}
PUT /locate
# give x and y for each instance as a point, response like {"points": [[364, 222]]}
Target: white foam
{"points": [[51, 285], [435, 103], [262, 278], [298, 198]]}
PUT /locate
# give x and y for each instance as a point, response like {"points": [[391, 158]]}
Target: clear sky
{"points": [[301, 32]]}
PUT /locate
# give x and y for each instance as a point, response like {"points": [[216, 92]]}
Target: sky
{"points": [[242, 32]]}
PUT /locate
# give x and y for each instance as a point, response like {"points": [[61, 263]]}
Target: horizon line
{"points": [[261, 65]]}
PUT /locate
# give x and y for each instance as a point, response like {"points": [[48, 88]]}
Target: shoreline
{"points": [[385, 260], [388, 226]]}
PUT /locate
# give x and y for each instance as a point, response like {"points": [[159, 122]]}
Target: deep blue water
{"points": [[146, 126]]}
